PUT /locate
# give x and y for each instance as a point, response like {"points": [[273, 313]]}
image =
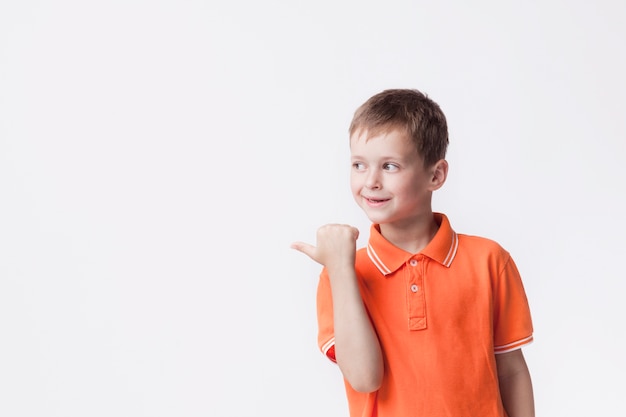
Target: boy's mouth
{"points": [[376, 200]]}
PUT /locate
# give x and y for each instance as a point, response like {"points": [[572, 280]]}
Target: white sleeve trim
{"points": [[513, 346], [326, 346]]}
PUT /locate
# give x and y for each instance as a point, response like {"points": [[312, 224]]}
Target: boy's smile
{"points": [[372, 202], [388, 178]]}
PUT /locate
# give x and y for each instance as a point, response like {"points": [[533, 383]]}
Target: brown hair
{"points": [[410, 110]]}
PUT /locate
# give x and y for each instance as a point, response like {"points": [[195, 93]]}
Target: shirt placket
{"points": [[415, 294]]}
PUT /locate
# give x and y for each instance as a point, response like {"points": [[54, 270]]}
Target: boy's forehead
{"points": [[367, 134], [393, 143]]}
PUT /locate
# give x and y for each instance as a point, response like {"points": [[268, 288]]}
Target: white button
{"points": [[413, 262], [414, 288]]}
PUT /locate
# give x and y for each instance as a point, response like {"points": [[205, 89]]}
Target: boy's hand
{"points": [[336, 246]]}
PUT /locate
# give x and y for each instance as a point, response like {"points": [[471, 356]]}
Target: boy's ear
{"points": [[439, 172]]}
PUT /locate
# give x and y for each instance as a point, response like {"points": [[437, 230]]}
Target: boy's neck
{"points": [[411, 237]]}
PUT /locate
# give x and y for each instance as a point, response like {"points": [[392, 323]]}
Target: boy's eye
{"points": [[390, 167], [358, 166]]}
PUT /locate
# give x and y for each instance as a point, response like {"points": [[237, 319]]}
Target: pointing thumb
{"points": [[305, 248]]}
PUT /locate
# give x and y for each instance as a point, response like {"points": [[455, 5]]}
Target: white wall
{"points": [[158, 157]]}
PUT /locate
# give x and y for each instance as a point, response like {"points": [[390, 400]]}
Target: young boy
{"points": [[423, 321]]}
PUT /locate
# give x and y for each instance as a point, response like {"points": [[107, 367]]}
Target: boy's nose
{"points": [[373, 180]]}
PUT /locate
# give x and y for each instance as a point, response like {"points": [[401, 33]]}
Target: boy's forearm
{"points": [[516, 392], [357, 349]]}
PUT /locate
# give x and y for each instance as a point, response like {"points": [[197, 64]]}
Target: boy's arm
{"points": [[516, 388], [357, 349]]}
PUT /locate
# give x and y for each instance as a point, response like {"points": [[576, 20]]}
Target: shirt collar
{"points": [[388, 258]]}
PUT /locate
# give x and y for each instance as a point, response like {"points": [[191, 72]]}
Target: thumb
{"points": [[308, 250]]}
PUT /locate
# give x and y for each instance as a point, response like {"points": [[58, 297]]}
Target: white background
{"points": [[157, 158]]}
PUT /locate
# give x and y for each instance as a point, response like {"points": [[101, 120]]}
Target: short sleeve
{"points": [[513, 327], [326, 330]]}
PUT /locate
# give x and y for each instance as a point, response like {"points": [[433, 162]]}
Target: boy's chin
{"points": [[377, 219]]}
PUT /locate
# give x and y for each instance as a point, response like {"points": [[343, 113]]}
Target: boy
{"points": [[423, 321]]}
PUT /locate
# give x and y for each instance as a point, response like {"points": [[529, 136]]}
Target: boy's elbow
{"points": [[367, 383], [366, 386], [363, 371]]}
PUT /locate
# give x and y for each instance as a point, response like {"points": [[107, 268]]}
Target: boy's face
{"points": [[388, 178]]}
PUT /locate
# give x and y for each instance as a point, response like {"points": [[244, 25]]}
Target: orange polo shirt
{"points": [[441, 315]]}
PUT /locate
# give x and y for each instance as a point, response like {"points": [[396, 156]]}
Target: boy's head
{"points": [[410, 111]]}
